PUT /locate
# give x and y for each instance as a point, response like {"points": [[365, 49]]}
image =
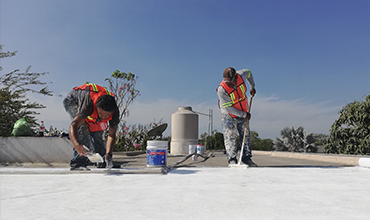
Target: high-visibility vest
{"points": [[96, 92], [238, 97]]}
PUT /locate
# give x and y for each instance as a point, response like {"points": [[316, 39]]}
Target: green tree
{"points": [[215, 141], [260, 144], [295, 140], [123, 86], [320, 139], [14, 103], [350, 133]]}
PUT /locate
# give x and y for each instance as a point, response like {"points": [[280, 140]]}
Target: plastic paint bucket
{"points": [[192, 149], [200, 149], [156, 153]]}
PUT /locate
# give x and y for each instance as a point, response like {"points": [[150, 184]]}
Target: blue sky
{"points": [[309, 58]]}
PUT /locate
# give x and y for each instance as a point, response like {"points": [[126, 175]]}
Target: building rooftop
{"points": [[284, 186]]}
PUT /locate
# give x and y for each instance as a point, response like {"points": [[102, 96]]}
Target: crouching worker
{"points": [[90, 108]]}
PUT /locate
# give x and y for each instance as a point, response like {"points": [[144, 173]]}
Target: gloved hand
{"points": [[109, 160], [252, 92]]}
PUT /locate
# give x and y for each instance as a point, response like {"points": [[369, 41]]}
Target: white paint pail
{"points": [[156, 153], [200, 149], [192, 148]]}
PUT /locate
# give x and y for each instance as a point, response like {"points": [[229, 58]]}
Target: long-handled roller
{"points": [[239, 165]]}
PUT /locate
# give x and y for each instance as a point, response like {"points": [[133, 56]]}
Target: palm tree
{"points": [[294, 140]]}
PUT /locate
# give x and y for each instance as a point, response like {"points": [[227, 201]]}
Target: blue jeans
{"points": [[232, 128], [92, 140]]}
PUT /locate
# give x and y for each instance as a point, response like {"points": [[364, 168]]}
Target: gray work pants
{"points": [[232, 128]]}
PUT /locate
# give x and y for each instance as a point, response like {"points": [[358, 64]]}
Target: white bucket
{"points": [[192, 149], [157, 153], [200, 149]]}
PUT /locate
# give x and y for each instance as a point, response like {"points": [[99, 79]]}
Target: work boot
{"points": [[248, 161], [80, 163]]}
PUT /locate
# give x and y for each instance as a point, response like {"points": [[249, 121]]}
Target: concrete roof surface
{"points": [[284, 186], [188, 193]]}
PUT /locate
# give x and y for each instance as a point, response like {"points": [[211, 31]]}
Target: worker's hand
{"points": [[109, 160], [86, 151], [252, 92], [248, 116]]}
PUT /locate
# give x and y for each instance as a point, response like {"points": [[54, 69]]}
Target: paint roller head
{"points": [[95, 158], [238, 166]]}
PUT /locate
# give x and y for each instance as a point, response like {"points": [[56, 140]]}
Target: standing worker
{"points": [[233, 103], [90, 107]]}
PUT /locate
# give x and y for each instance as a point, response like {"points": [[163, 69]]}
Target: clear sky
{"points": [[309, 58]]}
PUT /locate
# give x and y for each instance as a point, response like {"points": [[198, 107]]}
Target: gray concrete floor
{"points": [[280, 188]]}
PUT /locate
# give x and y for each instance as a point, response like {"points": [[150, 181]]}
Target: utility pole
{"points": [[210, 122]]}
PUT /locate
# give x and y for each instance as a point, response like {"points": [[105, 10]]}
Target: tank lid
{"points": [[186, 108]]}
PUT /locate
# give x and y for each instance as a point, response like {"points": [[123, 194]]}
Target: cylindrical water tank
{"points": [[184, 130]]}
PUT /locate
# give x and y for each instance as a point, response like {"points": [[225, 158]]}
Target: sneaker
{"points": [[80, 161], [249, 162]]}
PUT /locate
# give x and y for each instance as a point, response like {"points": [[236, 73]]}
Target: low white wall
{"points": [[35, 150]]}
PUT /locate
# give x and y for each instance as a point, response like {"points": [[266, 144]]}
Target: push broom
{"points": [[239, 165]]}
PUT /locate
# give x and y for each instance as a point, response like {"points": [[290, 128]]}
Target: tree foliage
{"points": [[260, 144], [135, 137], [350, 133], [216, 141], [123, 86], [14, 103], [295, 140], [320, 139]]}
